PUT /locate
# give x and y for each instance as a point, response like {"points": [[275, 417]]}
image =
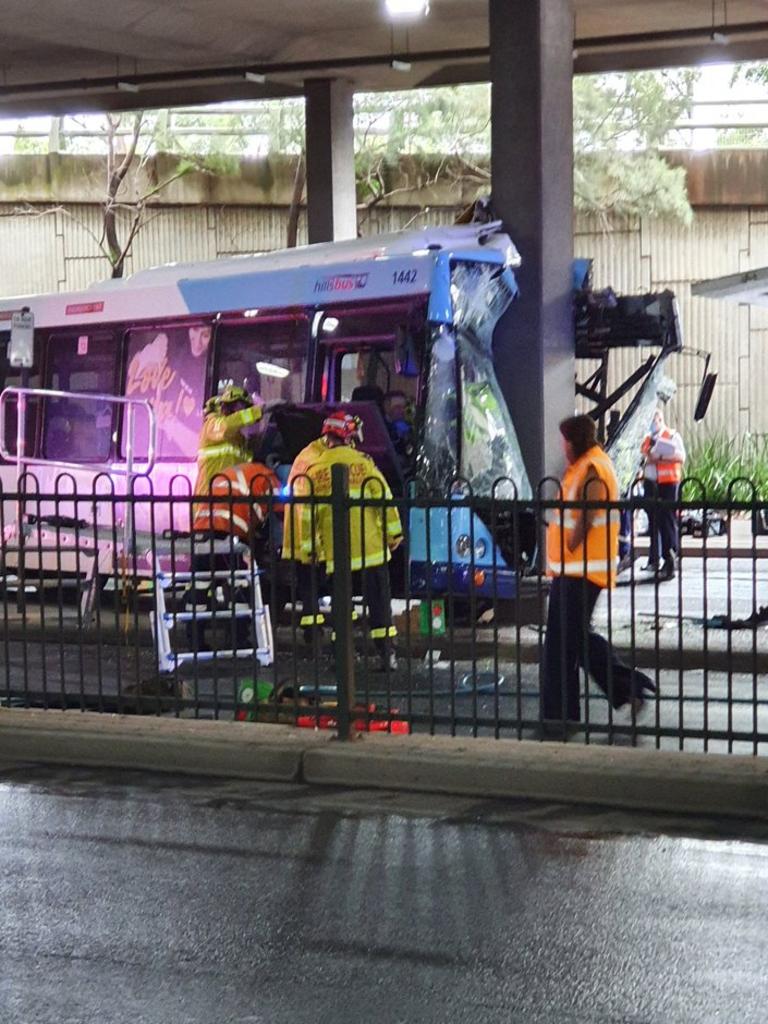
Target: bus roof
{"points": [[382, 266]]}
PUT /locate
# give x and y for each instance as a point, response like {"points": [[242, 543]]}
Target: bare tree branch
{"points": [[299, 180]]}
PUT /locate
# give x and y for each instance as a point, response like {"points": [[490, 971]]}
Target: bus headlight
{"points": [[463, 546]]}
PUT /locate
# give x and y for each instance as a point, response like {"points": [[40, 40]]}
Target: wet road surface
{"points": [[158, 900]]}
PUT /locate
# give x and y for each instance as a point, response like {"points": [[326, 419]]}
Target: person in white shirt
{"points": [[664, 453]]}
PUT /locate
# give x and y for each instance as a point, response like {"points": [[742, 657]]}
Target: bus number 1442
{"points": [[404, 276]]}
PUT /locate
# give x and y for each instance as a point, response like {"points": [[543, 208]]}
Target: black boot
{"points": [[667, 571]]}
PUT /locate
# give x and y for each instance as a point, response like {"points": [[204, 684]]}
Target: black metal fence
{"points": [[126, 605]]}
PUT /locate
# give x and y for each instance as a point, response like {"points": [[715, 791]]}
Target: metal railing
{"points": [[471, 656], [127, 469], [130, 469]]}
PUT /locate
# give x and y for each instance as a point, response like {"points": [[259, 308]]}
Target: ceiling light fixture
{"points": [[272, 370], [401, 65], [255, 76], [719, 35], [403, 9], [127, 86]]}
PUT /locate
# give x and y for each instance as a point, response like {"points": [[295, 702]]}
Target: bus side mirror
{"points": [[705, 396], [406, 357], [21, 346]]}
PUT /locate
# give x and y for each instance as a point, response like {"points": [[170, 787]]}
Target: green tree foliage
{"points": [[128, 194], [24, 144], [448, 129], [620, 125], [745, 138]]}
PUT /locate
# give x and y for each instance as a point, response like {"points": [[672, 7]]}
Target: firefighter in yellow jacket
{"points": [[375, 530], [222, 443], [299, 486], [309, 573]]}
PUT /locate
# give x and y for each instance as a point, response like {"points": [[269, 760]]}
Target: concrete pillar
{"points": [[532, 184], [331, 202]]}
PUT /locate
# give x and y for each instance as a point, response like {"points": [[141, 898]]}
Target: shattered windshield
{"points": [[481, 446], [437, 460], [625, 447]]}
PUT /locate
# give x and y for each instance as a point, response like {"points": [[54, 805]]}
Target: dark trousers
{"points": [[373, 584], [625, 533], [662, 520], [570, 643], [311, 584]]}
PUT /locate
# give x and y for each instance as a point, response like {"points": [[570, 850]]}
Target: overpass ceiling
{"points": [[64, 57]]}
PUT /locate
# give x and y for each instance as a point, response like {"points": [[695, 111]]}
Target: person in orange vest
{"points": [[664, 454], [224, 515], [375, 530], [582, 552], [230, 512]]}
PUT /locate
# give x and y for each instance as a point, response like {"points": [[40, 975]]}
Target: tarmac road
{"points": [[140, 899]]}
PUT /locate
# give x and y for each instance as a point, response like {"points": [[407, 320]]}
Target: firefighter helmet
{"points": [[234, 393], [212, 406], [344, 426]]}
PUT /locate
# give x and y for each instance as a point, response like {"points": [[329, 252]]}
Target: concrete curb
{"points": [[729, 785], [230, 749], [718, 785]]}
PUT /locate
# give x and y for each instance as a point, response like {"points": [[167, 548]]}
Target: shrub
{"points": [[718, 461]]}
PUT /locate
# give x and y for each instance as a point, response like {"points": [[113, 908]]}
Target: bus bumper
{"points": [[436, 579]]}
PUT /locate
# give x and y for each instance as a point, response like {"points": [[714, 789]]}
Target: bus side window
{"points": [[166, 367], [79, 429], [369, 372], [10, 377], [349, 369], [269, 358]]}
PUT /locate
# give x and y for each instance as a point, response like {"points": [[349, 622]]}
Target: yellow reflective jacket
{"points": [[299, 486], [374, 530], [222, 445]]}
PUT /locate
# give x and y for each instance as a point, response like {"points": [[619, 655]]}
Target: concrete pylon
{"points": [[532, 191], [331, 200]]}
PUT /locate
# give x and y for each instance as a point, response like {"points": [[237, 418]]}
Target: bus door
{"points": [[73, 429], [68, 438], [11, 377], [371, 360]]}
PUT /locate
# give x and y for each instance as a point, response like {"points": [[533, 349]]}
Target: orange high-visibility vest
{"points": [[668, 472], [665, 471], [248, 481], [595, 557]]}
